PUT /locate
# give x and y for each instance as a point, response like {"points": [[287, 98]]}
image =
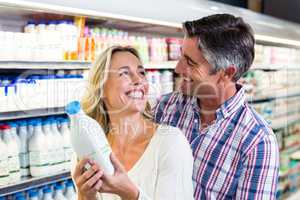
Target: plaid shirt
{"points": [[237, 157]]}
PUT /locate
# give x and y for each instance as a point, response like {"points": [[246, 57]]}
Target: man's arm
{"points": [[259, 177]]}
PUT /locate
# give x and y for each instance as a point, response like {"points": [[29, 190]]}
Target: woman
{"points": [[151, 161]]}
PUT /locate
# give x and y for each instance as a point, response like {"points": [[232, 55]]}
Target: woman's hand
{"points": [[89, 181], [119, 183]]}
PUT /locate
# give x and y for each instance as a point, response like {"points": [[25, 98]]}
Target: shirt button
{"points": [[196, 121]]}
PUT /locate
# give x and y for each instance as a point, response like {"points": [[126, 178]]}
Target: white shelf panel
{"points": [[31, 113], [44, 65], [30, 183], [161, 65]]}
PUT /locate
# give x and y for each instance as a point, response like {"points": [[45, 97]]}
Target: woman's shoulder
{"points": [[171, 137]]}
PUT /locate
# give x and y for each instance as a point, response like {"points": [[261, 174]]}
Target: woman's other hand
{"points": [[89, 181]]}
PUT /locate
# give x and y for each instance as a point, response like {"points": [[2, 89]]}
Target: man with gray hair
{"points": [[235, 151]]}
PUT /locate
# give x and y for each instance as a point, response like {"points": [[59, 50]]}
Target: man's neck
{"points": [[209, 106]]}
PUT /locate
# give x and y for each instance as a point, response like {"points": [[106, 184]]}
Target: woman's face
{"points": [[126, 88]]}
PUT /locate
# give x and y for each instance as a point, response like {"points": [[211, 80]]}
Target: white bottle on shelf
{"points": [[70, 193], [13, 154], [60, 145], [4, 171], [40, 193], [47, 193], [59, 192], [30, 128], [68, 151], [88, 138], [52, 146], [13, 130], [24, 156], [38, 152], [30, 27]]}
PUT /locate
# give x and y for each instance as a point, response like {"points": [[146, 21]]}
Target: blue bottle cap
{"points": [[32, 193], [73, 107]]}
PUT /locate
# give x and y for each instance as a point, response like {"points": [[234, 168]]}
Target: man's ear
{"points": [[230, 72]]}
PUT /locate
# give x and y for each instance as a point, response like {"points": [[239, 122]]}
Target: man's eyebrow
{"points": [[190, 59]]}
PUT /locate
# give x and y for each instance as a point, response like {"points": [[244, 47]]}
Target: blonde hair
{"points": [[92, 102]]}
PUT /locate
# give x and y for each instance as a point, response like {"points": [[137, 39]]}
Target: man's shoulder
{"points": [[257, 130]]}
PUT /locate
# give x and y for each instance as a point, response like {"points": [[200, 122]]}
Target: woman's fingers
{"points": [[98, 185], [87, 175], [92, 182], [80, 167]]}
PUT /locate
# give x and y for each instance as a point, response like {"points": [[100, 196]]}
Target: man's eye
{"points": [[189, 62], [142, 72]]}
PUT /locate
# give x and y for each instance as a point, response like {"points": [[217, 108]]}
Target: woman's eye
{"points": [[124, 73]]}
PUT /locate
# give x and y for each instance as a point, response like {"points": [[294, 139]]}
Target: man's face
{"points": [[195, 71]]}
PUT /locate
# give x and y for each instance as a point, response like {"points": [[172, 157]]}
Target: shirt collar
{"points": [[230, 106]]}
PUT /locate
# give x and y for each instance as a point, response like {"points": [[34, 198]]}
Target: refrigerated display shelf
{"points": [[31, 113], [44, 65], [30, 183], [274, 67], [288, 122], [261, 99], [73, 65]]}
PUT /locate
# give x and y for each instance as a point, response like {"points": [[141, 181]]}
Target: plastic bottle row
{"points": [[63, 40], [58, 191], [276, 55], [25, 92], [160, 82], [52, 41], [36, 147]]}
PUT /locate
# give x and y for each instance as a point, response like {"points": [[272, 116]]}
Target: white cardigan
{"points": [[164, 171]]}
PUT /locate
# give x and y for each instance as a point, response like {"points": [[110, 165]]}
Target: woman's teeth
{"points": [[136, 94]]}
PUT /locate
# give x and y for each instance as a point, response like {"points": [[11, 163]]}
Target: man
{"points": [[235, 151]]}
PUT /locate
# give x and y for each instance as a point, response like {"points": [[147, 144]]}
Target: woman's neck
{"points": [[124, 129]]}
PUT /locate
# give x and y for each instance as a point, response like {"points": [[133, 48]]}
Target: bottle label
{"points": [[38, 159], [60, 156], [3, 167], [68, 153], [13, 164], [24, 160]]}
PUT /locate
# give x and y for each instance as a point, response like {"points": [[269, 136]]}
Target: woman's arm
{"points": [[175, 168]]}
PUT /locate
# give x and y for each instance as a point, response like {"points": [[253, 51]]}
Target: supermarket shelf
{"points": [[31, 113], [274, 67], [157, 20], [272, 97], [72, 65], [30, 183], [161, 65], [44, 65], [288, 122]]}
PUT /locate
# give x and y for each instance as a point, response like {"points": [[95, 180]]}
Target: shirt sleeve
{"points": [[259, 177]]}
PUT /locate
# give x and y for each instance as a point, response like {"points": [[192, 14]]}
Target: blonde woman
{"points": [[151, 161]]}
